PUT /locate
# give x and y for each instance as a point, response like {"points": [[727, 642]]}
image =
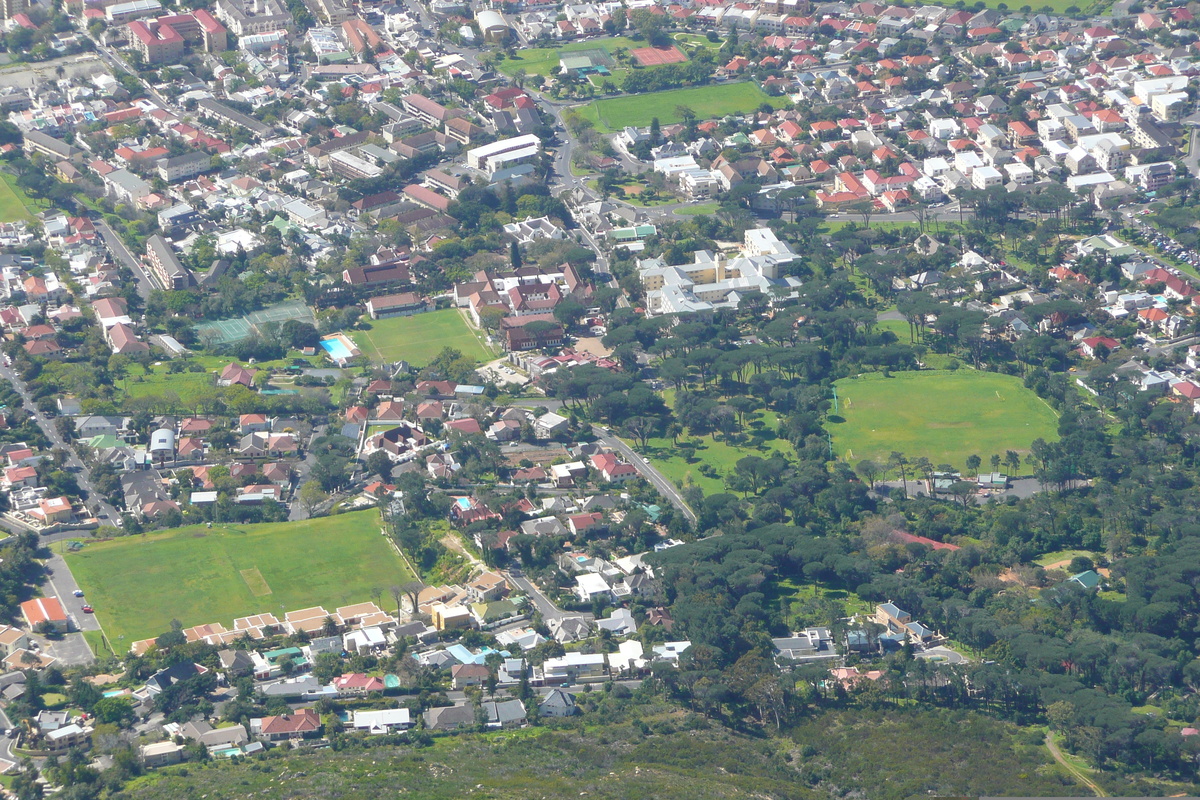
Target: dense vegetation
{"points": [[660, 755]]}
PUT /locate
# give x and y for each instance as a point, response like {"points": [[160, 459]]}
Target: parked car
{"points": [[78, 593], [88, 609]]}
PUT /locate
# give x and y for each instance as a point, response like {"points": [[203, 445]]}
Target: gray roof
{"points": [[504, 711]]}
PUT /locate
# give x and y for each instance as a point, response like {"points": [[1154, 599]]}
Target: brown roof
{"points": [[303, 721]]}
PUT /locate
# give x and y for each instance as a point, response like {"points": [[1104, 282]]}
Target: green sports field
{"points": [[138, 584], [942, 415], [708, 102], [420, 338], [14, 204], [544, 60]]}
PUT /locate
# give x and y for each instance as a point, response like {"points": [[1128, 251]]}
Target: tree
{"points": [[974, 462], [514, 255], [312, 496], [568, 312], [995, 462], [113, 711], [641, 428], [900, 463], [868, 470], [379, 463], [1012, 459]]}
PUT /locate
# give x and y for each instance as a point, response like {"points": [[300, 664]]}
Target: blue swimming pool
{"points": [[337, 349], [463, 502]]}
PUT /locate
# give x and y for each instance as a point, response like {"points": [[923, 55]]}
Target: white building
{"points": [[713, 281], [506, 153]]}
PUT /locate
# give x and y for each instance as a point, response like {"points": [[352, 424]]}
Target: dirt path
{"points": [[452, 542], [1075, 772]]}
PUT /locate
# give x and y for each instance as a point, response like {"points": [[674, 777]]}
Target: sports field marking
{"points": [[256, 582]]}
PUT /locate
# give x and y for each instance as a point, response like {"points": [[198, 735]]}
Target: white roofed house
{"points": [[591, 585], [390, 720]]}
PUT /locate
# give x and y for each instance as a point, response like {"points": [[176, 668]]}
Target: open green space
{"points": [[705, 461], [805, 604], [835, 225], [197, 575], [1062, 555], [945, 416], [611, 114], [698, 209], [867, 753], [420, 338], [189, 387], [544, 60], [14, 203]]}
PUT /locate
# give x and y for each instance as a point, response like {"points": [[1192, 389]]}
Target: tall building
{"points": [[10, 8]]}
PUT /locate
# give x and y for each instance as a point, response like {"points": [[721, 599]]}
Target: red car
{"points": [[87, 609]]}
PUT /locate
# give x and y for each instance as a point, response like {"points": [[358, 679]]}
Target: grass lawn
{"points": [[614, 113], [835, 225], [419, 339], [944, 416], [899, 327], [699, 208], [188, 386], [138, 584], [544, 60], [802, 604], [14, 203], [1062, 555], [758, 439]]}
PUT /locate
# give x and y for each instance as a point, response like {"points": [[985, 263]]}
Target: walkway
{"points": [[1071, 768]]}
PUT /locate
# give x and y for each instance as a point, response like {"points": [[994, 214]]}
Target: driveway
{"points": [[944, 655], [71, 649]]}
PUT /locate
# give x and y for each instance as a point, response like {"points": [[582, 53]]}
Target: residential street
{"points": [[664, 486], [542, 603], [106, 513], [118, 249]]}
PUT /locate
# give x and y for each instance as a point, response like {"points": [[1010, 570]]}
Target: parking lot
{"points": [[502, 373], [1161, 241]]}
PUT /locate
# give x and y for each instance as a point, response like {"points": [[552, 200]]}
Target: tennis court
{"points": [[657, 56], [282, 312], [598, 55], [223, 332]]}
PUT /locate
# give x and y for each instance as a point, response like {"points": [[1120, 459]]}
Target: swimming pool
{"points": [[337, 349], [463, 502]]}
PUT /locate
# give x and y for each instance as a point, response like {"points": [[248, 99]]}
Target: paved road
{"points": [[944, 654], [72, 648], [540, 601], [95, 501], [1192, 159], [664, 486], [297, 510], [6, 744], [118, 249]]}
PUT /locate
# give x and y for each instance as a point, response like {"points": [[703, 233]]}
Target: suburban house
{"points": [[44, 611], [300, 724]]}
